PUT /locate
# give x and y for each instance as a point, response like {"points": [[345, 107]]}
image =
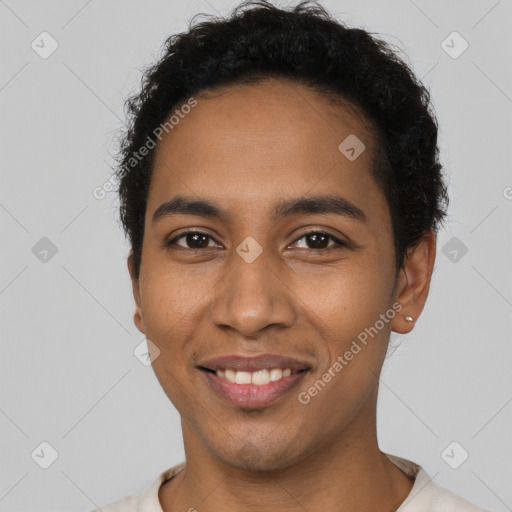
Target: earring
{"points": [[409, 319]]}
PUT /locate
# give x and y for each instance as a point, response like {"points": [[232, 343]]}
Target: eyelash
{"points": [[337, 241]]}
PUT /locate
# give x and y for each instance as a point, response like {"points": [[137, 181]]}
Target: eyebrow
{"points": [[181, 205]]}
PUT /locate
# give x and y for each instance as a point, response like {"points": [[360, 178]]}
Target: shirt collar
{"points": [[148, 500]]}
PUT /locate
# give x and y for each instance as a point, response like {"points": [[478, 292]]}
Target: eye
{"points": [[316, 240], [313, 240], [192, 240]]}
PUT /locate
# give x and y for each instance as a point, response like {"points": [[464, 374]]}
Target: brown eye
{"points": [[192, 239], [317, 241]]}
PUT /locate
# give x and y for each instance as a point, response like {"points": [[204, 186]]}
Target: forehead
{"points": [[249, 145]]}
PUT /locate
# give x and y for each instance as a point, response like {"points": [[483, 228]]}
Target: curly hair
{"points": [[307, 45]]}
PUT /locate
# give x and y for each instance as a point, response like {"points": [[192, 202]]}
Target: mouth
{"points": [[253, 382]]}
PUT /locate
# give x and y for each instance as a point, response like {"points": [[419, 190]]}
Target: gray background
{"points": [[68, 375]]}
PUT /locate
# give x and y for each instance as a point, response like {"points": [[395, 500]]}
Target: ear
{"points": [[413, 282], [137, 316]]}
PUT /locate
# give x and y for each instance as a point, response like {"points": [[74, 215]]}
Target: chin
{"points": [[258, 456]]}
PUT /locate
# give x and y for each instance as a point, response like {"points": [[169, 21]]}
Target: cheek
{"points": [[344, 306], [347, 298], [167, 297], [167, 303]]}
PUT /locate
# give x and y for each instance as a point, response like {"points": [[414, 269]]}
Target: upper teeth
{"points": [[259, 378]]}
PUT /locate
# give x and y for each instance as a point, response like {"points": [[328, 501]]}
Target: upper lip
{"points": [[253, 363]]}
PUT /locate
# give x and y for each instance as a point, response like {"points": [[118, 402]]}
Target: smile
{"points": [[260, 377], [253, 381]]}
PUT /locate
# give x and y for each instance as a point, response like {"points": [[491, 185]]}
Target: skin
{"points": [[247, 148]]}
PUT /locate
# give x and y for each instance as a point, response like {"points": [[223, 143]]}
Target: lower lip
{"points": [[251, 395]]}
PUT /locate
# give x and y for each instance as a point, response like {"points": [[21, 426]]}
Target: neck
{"points": [[348, 474]]}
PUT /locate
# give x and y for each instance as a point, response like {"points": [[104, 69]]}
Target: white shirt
{"points": [[425, 496]]}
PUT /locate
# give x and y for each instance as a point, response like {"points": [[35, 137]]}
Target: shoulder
{"points": [[147, 501], [426, 496], [446, 501]]}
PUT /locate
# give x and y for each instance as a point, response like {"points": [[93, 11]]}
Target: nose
{"points": [[252, 297]]}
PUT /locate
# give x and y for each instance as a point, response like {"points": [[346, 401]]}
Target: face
{"points": [[250, 277]]}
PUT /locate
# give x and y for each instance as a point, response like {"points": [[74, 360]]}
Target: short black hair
{"points": [[307, 45]]}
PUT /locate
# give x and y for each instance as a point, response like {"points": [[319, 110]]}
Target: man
{"points": [[281, 190]]}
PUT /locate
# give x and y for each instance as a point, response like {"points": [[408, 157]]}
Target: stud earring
{"points": [[409, 319]]}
